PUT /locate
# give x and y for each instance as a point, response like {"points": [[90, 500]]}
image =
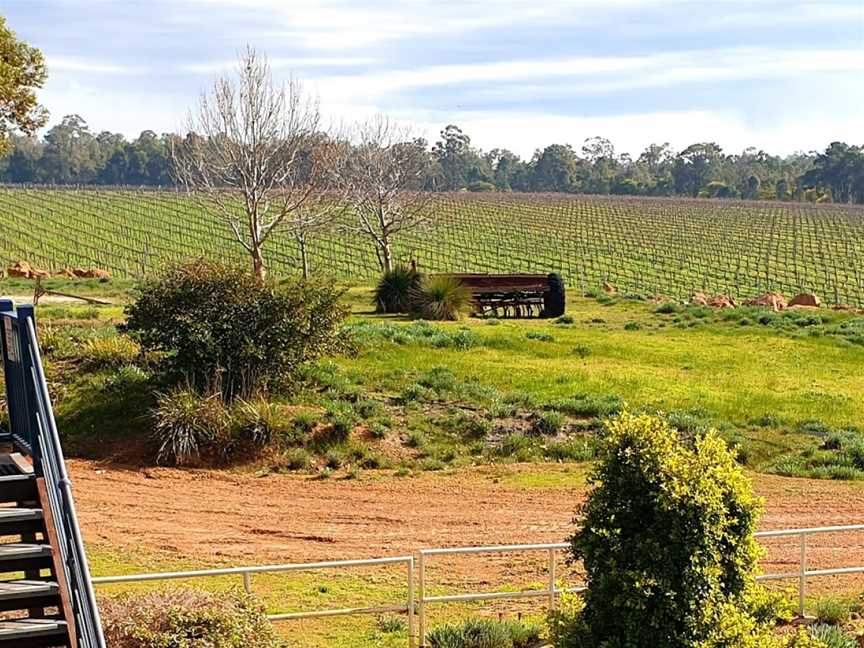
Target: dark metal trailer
{"points": [[516, 295]]}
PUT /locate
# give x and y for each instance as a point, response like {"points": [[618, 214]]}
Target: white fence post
{"points": [[247, 582], [421, 603], [412, 637], [802, 579], [551, 579]]}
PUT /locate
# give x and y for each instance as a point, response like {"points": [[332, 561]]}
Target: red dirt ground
{"points": [[217, 517]]}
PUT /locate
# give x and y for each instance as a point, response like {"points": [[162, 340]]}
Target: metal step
{"points": [[33, 632], [28, 594], [18, 488], [15, 521], [21, 556]]}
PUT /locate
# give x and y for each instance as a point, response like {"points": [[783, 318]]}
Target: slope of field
{"points": [[647, 246]]}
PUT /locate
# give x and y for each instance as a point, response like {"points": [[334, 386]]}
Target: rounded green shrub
{"points": [[441, 297], [218, 328], [666, 539], [394, 288]]}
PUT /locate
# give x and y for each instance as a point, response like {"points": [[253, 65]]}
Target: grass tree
{"points": [[253, 153], [383, 180]]}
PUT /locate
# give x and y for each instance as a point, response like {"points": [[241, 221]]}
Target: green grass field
{"points": [[645, 246]]}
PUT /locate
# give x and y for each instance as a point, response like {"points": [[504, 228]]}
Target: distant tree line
{"points": [[70, 153]]}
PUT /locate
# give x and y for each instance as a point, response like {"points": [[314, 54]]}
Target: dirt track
{"points": [[216, 517]]}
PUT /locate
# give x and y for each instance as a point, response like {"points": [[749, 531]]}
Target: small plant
{"points": [[548, 422], [667, 308], [293, 459], [832, 636], [256, 422], [391, 624], [394, 289], [540, 336], [441, 297], [832, 611], [111, 351], [565, 319], [632, 326], [484, 633], [186, 425], [582, 350]]}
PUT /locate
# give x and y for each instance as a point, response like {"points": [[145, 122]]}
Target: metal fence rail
{"points": [[417, 628]]}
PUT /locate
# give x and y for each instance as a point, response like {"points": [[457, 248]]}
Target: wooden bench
{"points": [[515, 295]]}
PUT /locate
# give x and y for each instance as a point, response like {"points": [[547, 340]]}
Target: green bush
{"points": [[482, 633], [441, 297], [187, 425], [187, 618], [222, 330], [666, 540], [394, 289]]}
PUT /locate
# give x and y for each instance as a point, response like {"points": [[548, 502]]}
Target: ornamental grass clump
{"points": [[441, 297], [666, 539], [394, 288]]}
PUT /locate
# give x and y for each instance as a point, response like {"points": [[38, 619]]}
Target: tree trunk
{"points": [[386, 255], [304, 256], [258, 263]]}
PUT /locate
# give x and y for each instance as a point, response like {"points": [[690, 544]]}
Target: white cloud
{"points": [[71, 64]]}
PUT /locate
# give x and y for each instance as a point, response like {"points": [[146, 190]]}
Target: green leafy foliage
{"points": [[666, 539], [222, 330], [22, 72], [187, 618]]}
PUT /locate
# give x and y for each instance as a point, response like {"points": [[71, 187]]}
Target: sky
{"points": [[780, 75]]}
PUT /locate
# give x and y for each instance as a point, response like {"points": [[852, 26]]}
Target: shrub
{"points": [[293, 459], [257, 422], [549, 422], [394, 289], [221, 329], [441, 297], [112, 351], [667, 308], [540, 336], [565, 319], [483, 633], [186, 618], [666, 539], [832, 611], [832, 636], [187, 425]]}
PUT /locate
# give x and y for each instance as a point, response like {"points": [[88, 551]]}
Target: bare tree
{"points": [[383, 180], [321, 211], [249, 153]]}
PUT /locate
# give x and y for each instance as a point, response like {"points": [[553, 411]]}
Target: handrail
{"points": [[34, 431]]}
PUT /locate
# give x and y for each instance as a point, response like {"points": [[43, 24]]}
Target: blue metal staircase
{"points": [[46, 594]]}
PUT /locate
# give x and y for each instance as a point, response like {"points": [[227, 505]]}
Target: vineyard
{"points": [[647, 246]]}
